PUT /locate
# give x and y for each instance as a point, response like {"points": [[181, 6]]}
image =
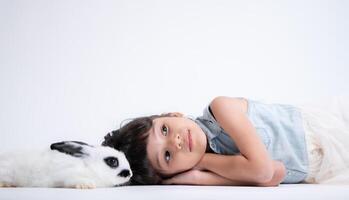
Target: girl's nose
{"points": [[178, 141]]}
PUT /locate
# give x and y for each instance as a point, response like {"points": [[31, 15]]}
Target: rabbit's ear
{"points": [[73, 148]]}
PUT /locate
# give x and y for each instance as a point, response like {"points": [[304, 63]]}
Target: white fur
{"points": [[52, 168]]}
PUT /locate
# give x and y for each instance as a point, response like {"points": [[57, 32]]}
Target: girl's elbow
{"points": [[264, 173]]}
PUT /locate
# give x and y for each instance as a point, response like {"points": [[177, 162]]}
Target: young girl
{"points": [[237, 141]]}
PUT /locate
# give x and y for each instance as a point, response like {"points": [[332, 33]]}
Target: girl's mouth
{"points": [[190, 143]]}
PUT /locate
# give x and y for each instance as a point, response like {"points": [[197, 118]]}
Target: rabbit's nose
{"points": [[124, 173]]}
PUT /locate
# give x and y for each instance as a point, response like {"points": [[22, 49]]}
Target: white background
{"points": [[75, 69]]}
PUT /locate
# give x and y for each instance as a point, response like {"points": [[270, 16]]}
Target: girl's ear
{"points": [[174, 114]]}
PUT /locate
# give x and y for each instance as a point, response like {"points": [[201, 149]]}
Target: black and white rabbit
{"points": [[70, 164]]}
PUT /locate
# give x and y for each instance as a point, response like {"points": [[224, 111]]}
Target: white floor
{"points": [[284, 191]]}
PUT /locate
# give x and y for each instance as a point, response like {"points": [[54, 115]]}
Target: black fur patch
{"points": [[69, 148]]}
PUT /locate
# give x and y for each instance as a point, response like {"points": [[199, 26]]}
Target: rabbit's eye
{"points": [[112, 162]]}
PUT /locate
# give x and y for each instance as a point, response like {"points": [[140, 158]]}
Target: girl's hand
{"points": [[185, 178]]}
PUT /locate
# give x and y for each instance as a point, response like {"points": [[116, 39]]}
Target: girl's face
{"points": [[175, 144]]}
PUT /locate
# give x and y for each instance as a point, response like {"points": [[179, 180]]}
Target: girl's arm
{"points": [[254, 164], [198, 177]]}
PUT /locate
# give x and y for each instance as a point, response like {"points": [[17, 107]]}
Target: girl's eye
{"points": [[164, 130], [167, 156]]}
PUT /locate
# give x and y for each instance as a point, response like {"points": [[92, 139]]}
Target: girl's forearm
{"points": [[210, 178], [236, 168], [214, 179]]}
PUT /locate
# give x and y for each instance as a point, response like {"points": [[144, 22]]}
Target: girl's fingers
{"points": [[167, 181], [197, 167], [182, 178]]}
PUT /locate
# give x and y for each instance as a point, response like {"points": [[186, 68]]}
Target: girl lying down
{"points": [[238, 141]]}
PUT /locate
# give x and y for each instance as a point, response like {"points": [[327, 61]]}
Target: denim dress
{"points": [[279, 127]]}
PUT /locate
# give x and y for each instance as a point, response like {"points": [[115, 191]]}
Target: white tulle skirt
{"points": [[327, 137]]}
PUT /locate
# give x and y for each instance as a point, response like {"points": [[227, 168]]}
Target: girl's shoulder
{"points": [[238, 102]]}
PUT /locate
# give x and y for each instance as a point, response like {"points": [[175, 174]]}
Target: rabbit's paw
{"points": [[85, 186], [6, 185]]}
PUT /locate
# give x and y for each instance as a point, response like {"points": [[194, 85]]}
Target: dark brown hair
{"points": [[132, 139]]}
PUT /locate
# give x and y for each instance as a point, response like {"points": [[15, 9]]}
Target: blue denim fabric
{"points": [[280, 128]]}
